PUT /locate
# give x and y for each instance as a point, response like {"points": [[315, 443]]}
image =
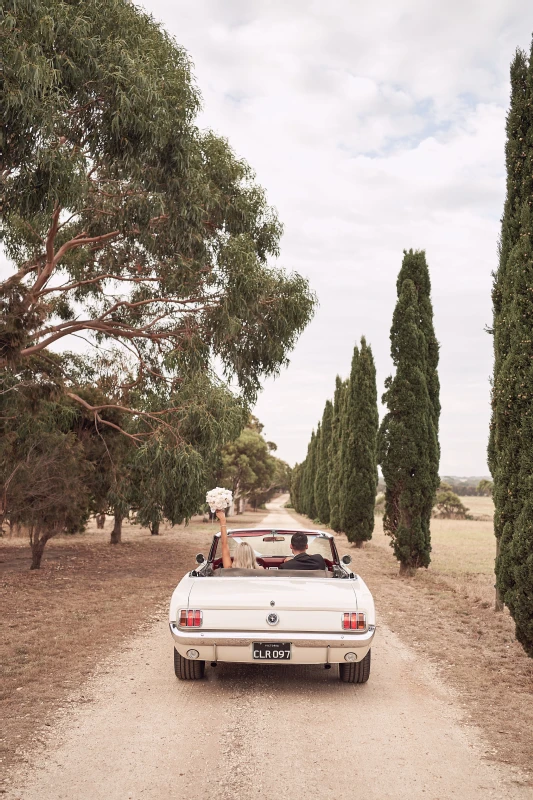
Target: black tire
{"points": [[355, 671], [187, 669]]}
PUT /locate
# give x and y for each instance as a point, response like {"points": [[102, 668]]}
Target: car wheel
{"points": [[355, 672], [187, 669]]}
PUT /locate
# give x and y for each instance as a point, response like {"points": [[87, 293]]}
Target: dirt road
{"points": [[140, 734]]}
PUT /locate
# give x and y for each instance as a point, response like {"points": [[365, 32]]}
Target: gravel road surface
{"points": [[272, 732]]}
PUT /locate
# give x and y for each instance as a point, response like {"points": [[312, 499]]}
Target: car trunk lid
{"points": [[300, 604]]}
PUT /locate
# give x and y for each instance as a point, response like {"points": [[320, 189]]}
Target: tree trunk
{"points": [[406, 571], [498, 602], [116, 533], [358, 545], [38, 544], [100, 521], [154, 528]]}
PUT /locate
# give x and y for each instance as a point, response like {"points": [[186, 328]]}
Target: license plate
{"points": [[272, 651]]}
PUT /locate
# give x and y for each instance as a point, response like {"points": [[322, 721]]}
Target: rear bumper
{"points": [[307, 648]]}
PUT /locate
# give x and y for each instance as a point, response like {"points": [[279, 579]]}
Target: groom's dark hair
{"points": [[299, 541]]}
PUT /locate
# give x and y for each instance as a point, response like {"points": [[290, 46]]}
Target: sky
{"points": [[374, 128]]}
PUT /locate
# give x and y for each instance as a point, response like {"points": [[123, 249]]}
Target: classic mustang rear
{"points": [[271, 615]]}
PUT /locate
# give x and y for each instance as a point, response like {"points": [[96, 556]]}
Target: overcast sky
{"points": [[374, 127]]}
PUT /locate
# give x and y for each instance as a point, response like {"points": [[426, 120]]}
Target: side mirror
{"points": [[200, 558], [346, 559]]}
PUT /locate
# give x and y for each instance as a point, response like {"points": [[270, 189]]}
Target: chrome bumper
{"points": [[239, 639]]}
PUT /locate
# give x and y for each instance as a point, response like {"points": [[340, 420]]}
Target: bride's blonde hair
{"points": [[244, 557]]}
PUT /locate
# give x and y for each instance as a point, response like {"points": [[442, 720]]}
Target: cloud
{"points": [[374, 128]]}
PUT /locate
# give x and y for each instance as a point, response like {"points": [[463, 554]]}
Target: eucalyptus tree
{"points": [[44, 476], [129, 227], [247, 466], [125, 223]]}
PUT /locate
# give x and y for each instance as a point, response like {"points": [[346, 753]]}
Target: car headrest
{"points": [[237, 572]]}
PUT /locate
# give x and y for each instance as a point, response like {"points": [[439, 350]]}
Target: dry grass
{"points": [[463, 551], [446, 613], [58, 622]]}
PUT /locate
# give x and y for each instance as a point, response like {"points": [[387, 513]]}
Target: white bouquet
{"points": [[218, 499]]}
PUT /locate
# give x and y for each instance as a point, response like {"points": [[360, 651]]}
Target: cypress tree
{"points": [[513, 396], [303, 483], [511, 440], [313, 460], [322, 471], [408, 437], [296, 485], [364, 428], [348, 456], [359, 448], [334, 456], [308, 480]]}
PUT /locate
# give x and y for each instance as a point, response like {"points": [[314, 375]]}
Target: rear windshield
{"points": [[276, 544]]}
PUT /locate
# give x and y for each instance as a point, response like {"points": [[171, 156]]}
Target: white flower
{"points": [[218, 499]]}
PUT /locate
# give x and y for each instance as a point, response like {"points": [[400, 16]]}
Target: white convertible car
{"points": [[273, 616]]}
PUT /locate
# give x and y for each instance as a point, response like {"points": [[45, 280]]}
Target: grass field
{"points": [[446, 613], [463, 551]]}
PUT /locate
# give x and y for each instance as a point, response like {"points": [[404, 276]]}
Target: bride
{"points": [[243, 557]]}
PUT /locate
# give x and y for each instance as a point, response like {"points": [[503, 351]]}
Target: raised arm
{"points": [[226, 558]]}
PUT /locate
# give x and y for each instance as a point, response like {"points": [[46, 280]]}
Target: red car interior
{"points": [[267, 562]]}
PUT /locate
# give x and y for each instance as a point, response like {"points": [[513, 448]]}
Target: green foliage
{"points": [[511, 439], [295, 488], [408, 437], [512, 446], [469, 487], [307, 504], [449, 506], [126, 224], [166, 477], [484, 488], [250, 470], [322, 467], [336, 483], [44, 475], [347, 471], [359, 451], [123, 221], [334, 474]]}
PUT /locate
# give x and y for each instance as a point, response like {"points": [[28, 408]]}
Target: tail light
{"points": [[190, 618], [354, 621]]}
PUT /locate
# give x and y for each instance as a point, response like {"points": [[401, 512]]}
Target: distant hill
{"points": [[464, 485]]}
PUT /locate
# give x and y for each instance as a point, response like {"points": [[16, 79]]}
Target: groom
{"points": [[300, 558]]}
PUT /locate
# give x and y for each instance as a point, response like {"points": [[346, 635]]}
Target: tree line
{"points": [[469, 487], [130, 229], [337, 482]]}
